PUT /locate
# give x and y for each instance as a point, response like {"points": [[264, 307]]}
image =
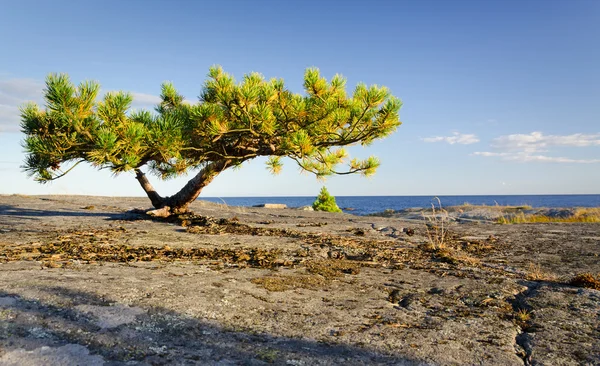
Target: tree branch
{"points": [[68, 170]]}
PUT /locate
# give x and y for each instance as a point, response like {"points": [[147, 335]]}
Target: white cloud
{"points": [[19, 89], [537, 141], [526, 157], [456, 138], [14, 93], [558, 159], [145, 99], [527, 147], [488, 153]]}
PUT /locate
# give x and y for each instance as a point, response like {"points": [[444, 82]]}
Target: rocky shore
{"points": [[95, 281]]}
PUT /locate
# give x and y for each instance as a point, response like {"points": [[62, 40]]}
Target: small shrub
{"points": [[586, 280], [325, 202], [523, 315], [268, 355]]}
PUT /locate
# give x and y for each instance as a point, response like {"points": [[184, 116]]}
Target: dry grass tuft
{"points": [[321, 272], [436, 226], [284, 283], [586, 280], [455, 257], [580, 214], [332, 268], [535, 273]]}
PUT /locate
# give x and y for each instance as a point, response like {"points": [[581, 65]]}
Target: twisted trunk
{"points": [[155, 198], [179, 202]]}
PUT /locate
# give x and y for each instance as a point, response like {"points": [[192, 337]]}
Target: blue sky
{"points": [[500, 97]]}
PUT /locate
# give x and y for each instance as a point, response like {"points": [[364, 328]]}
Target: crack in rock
{"points": [[523, 338]]}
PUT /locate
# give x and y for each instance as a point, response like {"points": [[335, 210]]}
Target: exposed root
{"points": [[162, 212]]}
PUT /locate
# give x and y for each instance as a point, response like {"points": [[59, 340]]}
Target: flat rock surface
{"points": [[70, 354], [93, 281]]}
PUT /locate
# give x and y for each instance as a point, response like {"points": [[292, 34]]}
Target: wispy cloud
{"points": [[537, 141], [145, 100], [456, 138], [13, 93], [527, 147]]}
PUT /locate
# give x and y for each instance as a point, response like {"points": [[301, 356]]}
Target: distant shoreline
{"points": [[368, 205]]}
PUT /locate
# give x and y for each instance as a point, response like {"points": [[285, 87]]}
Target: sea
{"points": [[364, 205]]}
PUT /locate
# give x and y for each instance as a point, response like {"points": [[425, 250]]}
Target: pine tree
{"points": [[233, 122], [325, 202]]}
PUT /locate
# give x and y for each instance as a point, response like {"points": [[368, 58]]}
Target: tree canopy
{"points": [[231, 123]]}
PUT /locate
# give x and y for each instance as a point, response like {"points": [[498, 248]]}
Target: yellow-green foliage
{"points": [[233, 122], [580, 214], [325, 202]]}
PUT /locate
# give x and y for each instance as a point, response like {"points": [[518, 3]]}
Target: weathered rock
{"points": [[561, 213], [564, 325], [7, 301], [107, 317], [183, 297], [272, 205], [70, 354]]}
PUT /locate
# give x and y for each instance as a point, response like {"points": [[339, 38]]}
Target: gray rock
{"points": [[70, 354], [561, 213], [563, 326], [7, 301], [111, 316]]}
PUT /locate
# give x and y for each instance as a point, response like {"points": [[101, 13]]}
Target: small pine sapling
{"points": [[325, 202]]}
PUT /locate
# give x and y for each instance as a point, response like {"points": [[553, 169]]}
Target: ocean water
{"points": [[363, 205]]}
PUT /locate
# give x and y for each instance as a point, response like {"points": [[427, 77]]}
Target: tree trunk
{"points": [[179, 202], [155, 198]]}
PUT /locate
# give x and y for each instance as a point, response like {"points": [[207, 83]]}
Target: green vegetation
{"points": [[232, 123], [325, 202]]}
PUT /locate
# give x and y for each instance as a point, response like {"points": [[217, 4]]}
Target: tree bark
{"points": [[155, 198], [179, 202]]}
